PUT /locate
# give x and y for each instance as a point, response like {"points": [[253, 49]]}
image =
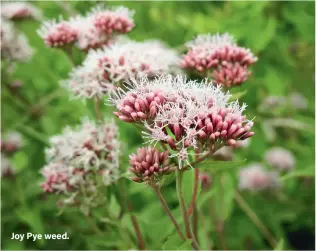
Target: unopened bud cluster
{"points": [[149, 165], [219, 57]]}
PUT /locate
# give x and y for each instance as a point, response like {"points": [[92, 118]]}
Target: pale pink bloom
{"points": [[255, 178], [149, 165], [11, 142], [58, 34], [89, 37], [272, 102], [280, 158], [80, 153], [7, 168], [14, 45], [206, 181], [298, 101], [108, 21], [219, 57], [105, 69], [19, 10]]}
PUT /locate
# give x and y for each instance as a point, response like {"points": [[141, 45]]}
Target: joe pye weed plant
{"points": [[182, 104]]}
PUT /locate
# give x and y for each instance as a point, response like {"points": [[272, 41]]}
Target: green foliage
{"points": [[281, 34]]}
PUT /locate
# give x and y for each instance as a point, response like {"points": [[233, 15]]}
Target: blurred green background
{"points": [[281, 34]]}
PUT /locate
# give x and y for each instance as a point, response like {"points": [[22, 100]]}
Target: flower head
{"points": [[14, 45], [298, 101], [104, 69], [58, 34], [219, 57], [184, 114], [79, 156], [255, 178], [11, 142], [280, 158], [7, 168], [94, 30], [149, 164], [19, 10], [108, 21], [206, 181]]}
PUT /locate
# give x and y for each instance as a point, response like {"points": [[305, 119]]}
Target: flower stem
{"points": [[127, 205], [195, 190], [179, 179], [136, 227], [255, 219], [167, 210], [97, 108]]}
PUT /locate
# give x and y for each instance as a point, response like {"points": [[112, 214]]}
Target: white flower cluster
{"points": [[19, 10], [75, 154], [255, 178], [294, 100], [104, 69], [280, 158], [7, 168], [14, 45], [204, 45]]}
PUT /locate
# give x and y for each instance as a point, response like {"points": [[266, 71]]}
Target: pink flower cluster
{"points": [[206, 181], [183, 114], [60, 34], [88, 32], [78, 155], [220, 58], [255, 178], [149, 164], [107, 21]]}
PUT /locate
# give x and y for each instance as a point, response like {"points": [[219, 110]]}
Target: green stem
{"points": [[97, 108], [179, 179], [255, 219], [168, 211]]}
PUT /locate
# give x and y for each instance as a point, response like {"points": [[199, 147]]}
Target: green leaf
{"points": [[280, 245], [175, 243], [225, 195], [216, 166], [167, 179], [187, 245], [237, 95], [295, 174]]}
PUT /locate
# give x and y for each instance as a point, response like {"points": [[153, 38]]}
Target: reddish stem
{"points": [[195, 190], [136, 227]]}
